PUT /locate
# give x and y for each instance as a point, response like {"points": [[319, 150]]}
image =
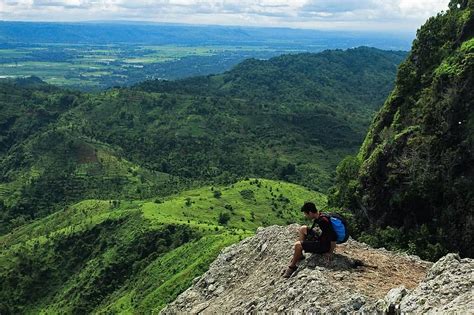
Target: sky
{"points": [[362, 15]]}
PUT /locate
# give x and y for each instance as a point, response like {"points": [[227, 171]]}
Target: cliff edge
{"points": [[246, 277]]}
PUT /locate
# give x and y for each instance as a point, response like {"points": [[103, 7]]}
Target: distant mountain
{"points": [[292, 118], [338, 79], [412, 184], [163, 34]]}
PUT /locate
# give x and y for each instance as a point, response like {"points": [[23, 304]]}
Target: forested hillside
{"points": [[114, 256], [412, 183], [291, 118]]}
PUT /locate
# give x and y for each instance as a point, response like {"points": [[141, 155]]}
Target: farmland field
{"points": [[94, 56], [90, 67]]}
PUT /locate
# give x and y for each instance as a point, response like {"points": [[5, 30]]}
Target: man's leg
{"points": [[302, 231], [297, 254], [296, 257]]}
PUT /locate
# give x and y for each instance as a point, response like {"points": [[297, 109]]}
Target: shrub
{"points": [[224, 217], [247, 194]]}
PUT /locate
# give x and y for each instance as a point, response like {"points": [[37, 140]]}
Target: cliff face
{"points": [[246, 277], [417, 162]]}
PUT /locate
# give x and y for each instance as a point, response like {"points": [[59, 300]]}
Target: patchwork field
{"points": [[92, 67]]}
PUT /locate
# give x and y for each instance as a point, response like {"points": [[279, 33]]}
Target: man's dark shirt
{"points": [[321, 244]]}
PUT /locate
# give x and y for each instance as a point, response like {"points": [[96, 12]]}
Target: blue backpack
{"points": [[339, 224]]}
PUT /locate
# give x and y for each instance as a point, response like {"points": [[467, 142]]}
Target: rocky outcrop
{"points": [[448, 287], [246, 277]]}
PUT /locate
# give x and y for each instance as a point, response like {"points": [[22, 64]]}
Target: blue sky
{"points": [[372, 15]]}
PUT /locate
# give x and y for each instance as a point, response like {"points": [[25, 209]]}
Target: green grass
{"points": [[163, 280], [160, 277], [468, 46], [201, 208]]}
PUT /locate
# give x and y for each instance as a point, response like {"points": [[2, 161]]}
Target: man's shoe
{"points": [[289, 271]]}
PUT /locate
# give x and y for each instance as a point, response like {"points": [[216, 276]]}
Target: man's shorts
{"points": [[315, 247]]}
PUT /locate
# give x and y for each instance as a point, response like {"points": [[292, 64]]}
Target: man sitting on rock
{"points": [[309, 242]]}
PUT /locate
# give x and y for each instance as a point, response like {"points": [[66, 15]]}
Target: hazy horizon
{"points": [[403, 33]]}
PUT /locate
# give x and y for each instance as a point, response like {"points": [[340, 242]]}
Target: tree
{"points": [[224, 217], [217, 194]]}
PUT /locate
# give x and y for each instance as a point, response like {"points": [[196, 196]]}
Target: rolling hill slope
{"points": [[134, 256]]}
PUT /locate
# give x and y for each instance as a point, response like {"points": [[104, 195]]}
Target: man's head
{"points": [[310, 211]]}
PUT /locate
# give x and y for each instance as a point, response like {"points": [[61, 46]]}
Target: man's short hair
{"points": [[309, 207]]}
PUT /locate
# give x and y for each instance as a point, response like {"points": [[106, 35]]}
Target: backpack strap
{"points": [[309, 231]]}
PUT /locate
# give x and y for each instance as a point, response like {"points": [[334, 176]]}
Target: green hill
{"points": [[290, 118], [412, 182], [134, 256]]}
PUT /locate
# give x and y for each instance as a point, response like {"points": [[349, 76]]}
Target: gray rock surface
{"points": [[246, 278], [448, 287]]}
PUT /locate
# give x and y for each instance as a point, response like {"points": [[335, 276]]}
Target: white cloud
{"points": [[375, 9], [328, 14]]}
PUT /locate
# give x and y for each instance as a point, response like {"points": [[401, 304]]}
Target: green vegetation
{"points": [[115, 201], [94, 56], [59, 147], [122, 256], [412, 184]]}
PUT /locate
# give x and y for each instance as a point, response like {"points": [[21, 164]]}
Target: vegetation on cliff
{"points": [[412, 183]]}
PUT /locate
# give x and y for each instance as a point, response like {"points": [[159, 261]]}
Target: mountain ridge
{"points": [[161, 137]]}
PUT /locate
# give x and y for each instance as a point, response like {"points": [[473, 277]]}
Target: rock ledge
{"points": [[246, 277]]}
